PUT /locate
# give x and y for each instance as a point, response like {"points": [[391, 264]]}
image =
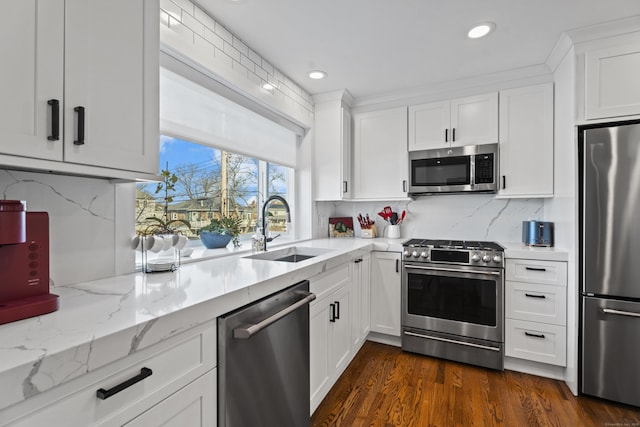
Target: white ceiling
{"points": [[375, 47]]}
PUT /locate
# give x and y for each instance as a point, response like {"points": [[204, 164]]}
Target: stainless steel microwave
{"points": [[470, 168]]}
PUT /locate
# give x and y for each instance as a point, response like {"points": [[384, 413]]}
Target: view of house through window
{"points": [[202, 183]]}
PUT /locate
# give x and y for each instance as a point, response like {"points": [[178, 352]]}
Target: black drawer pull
{"points": [[529, 334], [534, 296], [80, 140], [535, 269], [337, 309], [446, 135], [358, 261], [453, 135], [332, 314], [397, 266], [105, 394], [504, 182], [55, 120]]}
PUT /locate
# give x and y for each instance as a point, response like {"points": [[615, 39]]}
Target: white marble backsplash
{"points": [[455, 216], [82, 221]]}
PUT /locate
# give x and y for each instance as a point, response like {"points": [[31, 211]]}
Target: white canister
{"points": [[393, 231]]}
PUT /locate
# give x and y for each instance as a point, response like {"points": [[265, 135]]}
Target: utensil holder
{"points": [[368, 233], [393, 231]]}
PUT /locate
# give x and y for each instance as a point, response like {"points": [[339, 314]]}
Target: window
{"points": [[202, 182]]}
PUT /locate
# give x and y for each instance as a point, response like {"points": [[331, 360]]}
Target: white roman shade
{"points": [[192, 112]]}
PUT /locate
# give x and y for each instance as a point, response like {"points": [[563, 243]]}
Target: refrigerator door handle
{"points": [[620, 312]]}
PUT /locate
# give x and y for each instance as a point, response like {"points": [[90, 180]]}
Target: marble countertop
{"points": [[522, 251], [102, 321]]}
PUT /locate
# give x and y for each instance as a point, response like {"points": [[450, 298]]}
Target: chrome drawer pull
{"points": [[620, 312], [484, 347], [105, 394]]}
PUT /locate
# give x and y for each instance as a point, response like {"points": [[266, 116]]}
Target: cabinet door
{"points": [[332, 151], [340, 340], [385, 293], [360, 301], [112, 71], [611, 79], [380, 154], [194, 405], [320, 374], [31, 46], [526, 141], [429, 126], [474, 120]]}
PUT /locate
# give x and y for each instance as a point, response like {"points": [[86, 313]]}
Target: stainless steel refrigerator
{"points": [[610, 261]]}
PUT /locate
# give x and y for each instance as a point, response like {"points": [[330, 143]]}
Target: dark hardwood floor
{"points": [[384, 386]]}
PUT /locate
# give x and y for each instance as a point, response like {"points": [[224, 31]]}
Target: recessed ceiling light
{"points": [[268, 86], [481, 30], [317, 75]]}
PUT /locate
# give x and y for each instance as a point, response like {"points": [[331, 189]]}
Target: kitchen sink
{"points": [[292, 254]]}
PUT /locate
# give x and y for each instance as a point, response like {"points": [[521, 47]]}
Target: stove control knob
{"points": [[414, 254], [424, 254], [407, 252], [475, 258], [497, 259], [486, 258]]}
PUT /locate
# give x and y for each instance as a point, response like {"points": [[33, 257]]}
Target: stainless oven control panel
{"points": [[488, 258]]}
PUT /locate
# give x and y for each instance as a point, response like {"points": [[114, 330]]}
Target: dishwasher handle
{"points": [[247, 331]]}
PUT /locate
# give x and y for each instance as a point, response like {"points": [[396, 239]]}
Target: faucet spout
{"points": [[265, 223]]}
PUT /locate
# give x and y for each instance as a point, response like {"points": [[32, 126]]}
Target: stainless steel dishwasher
{"points": [[263, 361]]}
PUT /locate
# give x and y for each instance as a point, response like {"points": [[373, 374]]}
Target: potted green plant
{"points": [[220, 232], [164, 225]]}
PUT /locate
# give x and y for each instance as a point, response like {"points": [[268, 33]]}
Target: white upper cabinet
{"points": [[112, 71], [380, 162], [463, 121], [526, 141], [99, 61], [31, 45], [611, 81], [332, 149]]}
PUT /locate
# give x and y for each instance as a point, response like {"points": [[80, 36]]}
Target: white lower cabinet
{"points": [[331, 326], [189, 407], [360, 306], [386, 277], [180, 390], [535, 311]]}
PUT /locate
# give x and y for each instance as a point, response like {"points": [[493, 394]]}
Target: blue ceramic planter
{"points": [[214, 240]]}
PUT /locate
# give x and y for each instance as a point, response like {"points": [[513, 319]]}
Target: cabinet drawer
{"points": [[325, 283], [536, 341], [547, 272], [535, 302], [174, 364]]}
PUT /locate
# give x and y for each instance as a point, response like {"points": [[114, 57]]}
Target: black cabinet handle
{"points": [[358, 261], [332, 314], [105, 394], [535, 269], [453, 135], [337, 309], [397, 266], [529, 334], [55, 120], [504, 182], [345, 186], [534, 296], [80, 140], [446, 135], [404, 186]]}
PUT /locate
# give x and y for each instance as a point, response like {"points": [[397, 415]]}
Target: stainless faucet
{"points": [[264, 217]]}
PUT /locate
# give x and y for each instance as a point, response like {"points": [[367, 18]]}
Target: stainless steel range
{"points": [[453, 300]]}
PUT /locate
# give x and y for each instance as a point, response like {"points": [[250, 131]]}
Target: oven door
{"points": [[457, 300]]}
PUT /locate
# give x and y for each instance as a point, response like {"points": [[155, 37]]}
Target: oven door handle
{"points": [[453, 270], [484, 347]]}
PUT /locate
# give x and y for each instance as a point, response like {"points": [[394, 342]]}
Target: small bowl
{"points": [[186, 252]]}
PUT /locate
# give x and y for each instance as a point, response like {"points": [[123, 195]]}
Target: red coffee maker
{"points": [[24, 263]]}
